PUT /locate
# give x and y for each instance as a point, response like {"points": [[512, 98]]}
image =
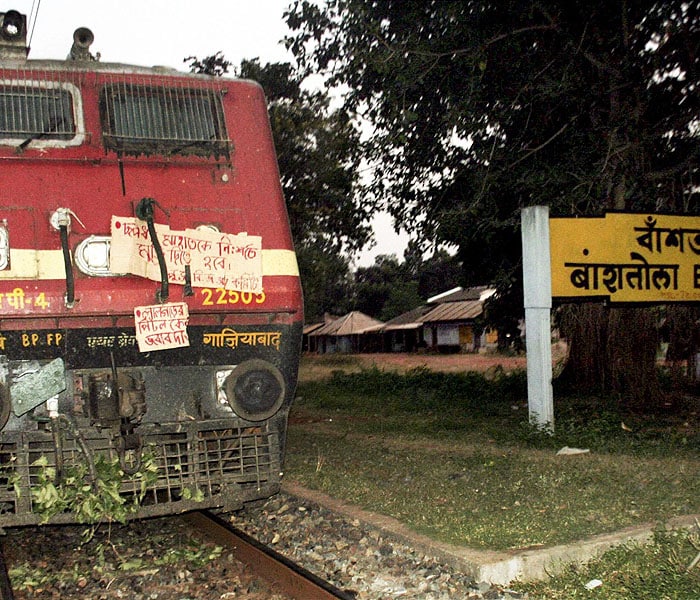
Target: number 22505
{"points": [[211, 297]]}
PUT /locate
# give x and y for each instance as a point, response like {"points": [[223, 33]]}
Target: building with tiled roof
{"points": [[448, 322], [344, 334]]}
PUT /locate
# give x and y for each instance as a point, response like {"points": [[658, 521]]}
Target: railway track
{"points": [[260, 562], [287, 576]]}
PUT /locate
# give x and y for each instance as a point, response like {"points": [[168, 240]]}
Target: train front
{"points": [[150, 303]]}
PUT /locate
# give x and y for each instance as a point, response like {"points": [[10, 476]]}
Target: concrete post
{"points": [[537, 289]]}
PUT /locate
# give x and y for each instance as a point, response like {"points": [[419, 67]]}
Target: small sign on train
{"points": [[161, 326]]}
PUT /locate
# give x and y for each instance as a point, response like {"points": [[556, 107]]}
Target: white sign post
{"points": [[537, 291]]}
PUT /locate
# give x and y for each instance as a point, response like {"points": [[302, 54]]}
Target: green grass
{"points": [[491, 497], [452, 456], [654, 571], [468, 407]]}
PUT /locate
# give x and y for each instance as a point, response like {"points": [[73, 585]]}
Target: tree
{"points": [[388, 288], [317, 151], [435, 274], [479, 109], [327, 283], [403, 296], [318, 156], [215, 64], [373, 285]]}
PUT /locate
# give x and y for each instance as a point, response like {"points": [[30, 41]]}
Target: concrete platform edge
{"points": [[498, 568]]}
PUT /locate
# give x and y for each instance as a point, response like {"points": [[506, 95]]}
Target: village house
{"points": [[346, 334], [448, 322]]}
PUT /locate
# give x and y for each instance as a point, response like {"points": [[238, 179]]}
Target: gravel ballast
{"points": [[126, 561], [355, 556]]}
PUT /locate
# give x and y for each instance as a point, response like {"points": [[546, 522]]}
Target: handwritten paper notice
{"points": [[161, 326], [215, 260]]}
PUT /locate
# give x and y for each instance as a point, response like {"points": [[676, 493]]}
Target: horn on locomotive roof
{"points": [[82, 38], [13, 35]]}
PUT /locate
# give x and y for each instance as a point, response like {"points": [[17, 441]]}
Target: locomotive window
{"points": [[33, 111], [145, 120]]}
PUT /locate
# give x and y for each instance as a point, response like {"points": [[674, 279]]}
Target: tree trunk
{"points": [[683, 331], [612, 351]]}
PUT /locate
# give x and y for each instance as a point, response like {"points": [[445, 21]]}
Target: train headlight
{"points": [[92, 256], [255, 389]]}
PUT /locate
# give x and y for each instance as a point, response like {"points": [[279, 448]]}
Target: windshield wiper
{"points": [[51, 127]]}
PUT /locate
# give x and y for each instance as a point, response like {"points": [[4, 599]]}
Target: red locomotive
{"points": [[150, 302]]}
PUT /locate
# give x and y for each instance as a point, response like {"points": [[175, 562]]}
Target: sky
{"points": [[164, 32]]}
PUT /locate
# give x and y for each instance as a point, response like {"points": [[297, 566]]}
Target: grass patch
{"points": [[470, 406], [654, 571], [452, 456], [318, 367]]}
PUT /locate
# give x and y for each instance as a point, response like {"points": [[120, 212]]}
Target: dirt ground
{"points": [[443, 362], [314, 366]]}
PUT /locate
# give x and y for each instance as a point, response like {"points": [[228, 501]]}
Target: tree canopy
{"points": [[318, 156], [479, 108]]}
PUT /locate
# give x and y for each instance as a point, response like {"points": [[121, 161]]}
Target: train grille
{"points": [[198, 467]]}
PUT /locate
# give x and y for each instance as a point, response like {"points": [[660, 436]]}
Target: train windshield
{"points": [[35, 111], [147, 120]]}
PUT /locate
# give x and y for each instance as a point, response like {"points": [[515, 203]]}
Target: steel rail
{"points": [[291, 578]]}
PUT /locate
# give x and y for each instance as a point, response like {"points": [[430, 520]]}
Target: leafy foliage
{"points": [[632, 570], [375, 284], [90, 501], [437, 273], [379, 392], [118, 554], [389, 288], [490, 404], [317, 150], [478, 109], [214, 64], [327, 281]]}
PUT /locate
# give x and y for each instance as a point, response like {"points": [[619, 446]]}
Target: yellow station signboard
{"points": [[626, 257]]}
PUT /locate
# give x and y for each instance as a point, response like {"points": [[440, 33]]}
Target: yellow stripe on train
{"points": [[48, 264]]}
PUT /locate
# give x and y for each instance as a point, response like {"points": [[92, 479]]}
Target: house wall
{"points": [[466, 338], [453, 337], [403, 340], [447, 334], [344, 344], [491, 338], [330, 344]]}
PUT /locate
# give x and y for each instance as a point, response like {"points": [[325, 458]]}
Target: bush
{"points": [[494, 404], [419, 389]]}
